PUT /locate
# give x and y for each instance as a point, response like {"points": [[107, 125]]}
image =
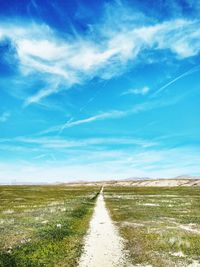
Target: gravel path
{"points": [[103, 245]]}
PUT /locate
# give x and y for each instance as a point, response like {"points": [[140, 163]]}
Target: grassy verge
{"points": [[161, 226], [44, 225]]}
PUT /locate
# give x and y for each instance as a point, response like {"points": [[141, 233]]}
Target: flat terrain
{"points": [[44, 225], [73, 225], [161, 226]]}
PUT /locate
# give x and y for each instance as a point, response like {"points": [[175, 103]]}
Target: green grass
{"points": [[154, 223], [44, 225]]}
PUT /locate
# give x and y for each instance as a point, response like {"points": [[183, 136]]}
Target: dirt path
{"points": [[103, 245]]}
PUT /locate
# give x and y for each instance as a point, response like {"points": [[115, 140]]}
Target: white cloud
{"points": [[4, 116], [105, 51], [48, 50], [137, 91]]}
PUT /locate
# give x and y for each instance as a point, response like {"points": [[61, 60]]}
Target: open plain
{"points": [[127, 223]]}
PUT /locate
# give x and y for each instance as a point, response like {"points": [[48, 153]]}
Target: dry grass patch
{"points": [[160, 225]]}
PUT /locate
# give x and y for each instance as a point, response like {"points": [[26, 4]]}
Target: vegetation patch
{"points": [[160, 225], [47, 225]]}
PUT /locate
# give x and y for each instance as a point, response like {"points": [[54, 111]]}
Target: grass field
{"points": [[43, 225], [161, 226]]}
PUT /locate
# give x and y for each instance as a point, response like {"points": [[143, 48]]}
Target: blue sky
{"points": [[99, 89]]}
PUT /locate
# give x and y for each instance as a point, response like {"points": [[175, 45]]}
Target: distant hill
{"points": [[147, 182]]}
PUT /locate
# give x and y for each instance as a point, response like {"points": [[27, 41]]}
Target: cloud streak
{"points": [[107, 115], [187, 73], [115, 114], [46, 145]]}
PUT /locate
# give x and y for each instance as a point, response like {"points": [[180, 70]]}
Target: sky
{"points": [[94, 90]]}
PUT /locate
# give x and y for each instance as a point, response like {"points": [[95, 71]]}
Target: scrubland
{"points": [[160, 226], [44, 225]]}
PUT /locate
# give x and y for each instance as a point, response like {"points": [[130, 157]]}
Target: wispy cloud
{"points": [[46, 148], [103, 52], [41, 94], [137, 91], [107, 115], [4, 116]]}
